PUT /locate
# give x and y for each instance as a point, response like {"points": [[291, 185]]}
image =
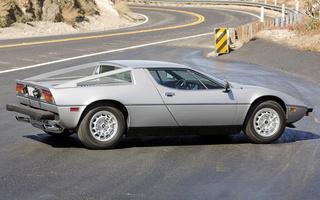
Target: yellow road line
{"points": [[200, 20]]}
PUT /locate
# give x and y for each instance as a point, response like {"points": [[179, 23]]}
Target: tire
{"points": [[102, 127], [59, 135], [265, 122]]}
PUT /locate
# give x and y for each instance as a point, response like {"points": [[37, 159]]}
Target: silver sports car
{"points": [[103, 101]]}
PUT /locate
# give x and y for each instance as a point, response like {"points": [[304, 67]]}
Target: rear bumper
{"points": [[32, 112], [38, 118]]}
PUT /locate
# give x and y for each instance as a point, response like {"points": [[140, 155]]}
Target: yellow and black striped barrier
{"points": [[221, 40]]}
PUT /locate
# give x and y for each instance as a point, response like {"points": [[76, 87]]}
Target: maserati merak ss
{"points": [[104, 101]]}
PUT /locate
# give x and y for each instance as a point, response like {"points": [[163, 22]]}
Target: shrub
{"points": [[5, 20], [70, 14], [24, 18], [307, 26], [122, 7], [313, 24], [88, 6]]}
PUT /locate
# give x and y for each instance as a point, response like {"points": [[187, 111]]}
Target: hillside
{"points": [[27, 18], [69, 11]]}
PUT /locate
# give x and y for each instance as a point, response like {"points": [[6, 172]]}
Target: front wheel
{"points": [[102, 128], [265, 123]]}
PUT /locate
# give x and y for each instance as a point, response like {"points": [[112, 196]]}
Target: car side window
{"points": [[208, 83], [178, 79]]}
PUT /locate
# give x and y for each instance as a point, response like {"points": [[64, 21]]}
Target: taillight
{"points": [[19, 88], [47, 95]]}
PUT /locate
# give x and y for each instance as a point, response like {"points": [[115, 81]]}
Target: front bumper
{"points": [[295, 113]]}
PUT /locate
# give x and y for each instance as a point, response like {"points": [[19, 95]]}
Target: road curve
{"points": [[162, 25]]}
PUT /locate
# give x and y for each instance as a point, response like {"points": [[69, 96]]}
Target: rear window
{"points": [[120, 78], [105, 68]]}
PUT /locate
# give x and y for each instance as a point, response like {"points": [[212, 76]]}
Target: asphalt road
{"points": [[37, 166]]}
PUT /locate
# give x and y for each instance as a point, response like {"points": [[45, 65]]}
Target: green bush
{"points": [[24, 18], [5, 19], [313, 24]]}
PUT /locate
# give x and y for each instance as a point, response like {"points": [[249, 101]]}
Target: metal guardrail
{"points": [[291, 17], [226, 2]]}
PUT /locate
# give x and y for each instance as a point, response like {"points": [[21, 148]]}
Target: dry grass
{"points": [[309, 26], [122, 7], [5, 6], [88, 7], [70, 14]]}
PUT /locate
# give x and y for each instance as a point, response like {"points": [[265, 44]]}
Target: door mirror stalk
{"points": [[227, 86]]}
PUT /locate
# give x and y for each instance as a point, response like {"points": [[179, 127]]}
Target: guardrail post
{"points": [[291, 19], [283, 10], [232, 35], [244, 34], [271, 22], [287, 20], [297, 7], [250, 30], [262, 14], [239, 33], [277, 22], [282, 15], [275, 2], [281, 22], [295, 16]]}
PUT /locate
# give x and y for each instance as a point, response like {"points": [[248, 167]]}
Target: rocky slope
{"points": [[69, 11]]}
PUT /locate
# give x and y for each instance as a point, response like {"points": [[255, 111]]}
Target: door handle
{"points": [[169, 94]]}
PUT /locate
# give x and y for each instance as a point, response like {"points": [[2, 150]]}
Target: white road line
{"points": [[103, 52], [117, 50]]}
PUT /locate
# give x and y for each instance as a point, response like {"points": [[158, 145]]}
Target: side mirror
{"points": [[226, 86]]}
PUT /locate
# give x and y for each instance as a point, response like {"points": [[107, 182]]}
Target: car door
{"points": [[193, 99]]}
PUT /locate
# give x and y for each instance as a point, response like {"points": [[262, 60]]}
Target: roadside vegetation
{"points": [[304, 35], [122, 8], [309, 26]]}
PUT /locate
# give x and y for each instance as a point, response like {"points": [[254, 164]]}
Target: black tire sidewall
{"points": [[87, 138], [251, 133]]}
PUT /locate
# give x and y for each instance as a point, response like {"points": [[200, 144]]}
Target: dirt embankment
{"points": [[69, 11], [28, 18]]}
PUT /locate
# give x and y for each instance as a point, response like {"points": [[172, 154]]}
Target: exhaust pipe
{"points": [[23, 119], [54, 129]]}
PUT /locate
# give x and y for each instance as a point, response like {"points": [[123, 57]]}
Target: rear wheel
{"points": [[102, 128], [265, 123]]}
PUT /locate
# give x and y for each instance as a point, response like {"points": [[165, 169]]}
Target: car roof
{"points": [[136, 64]]}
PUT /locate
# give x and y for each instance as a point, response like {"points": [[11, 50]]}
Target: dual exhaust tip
{"points": [[48, 128]]}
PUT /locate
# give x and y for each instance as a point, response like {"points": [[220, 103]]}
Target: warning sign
{"points": [[221, 41]]}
